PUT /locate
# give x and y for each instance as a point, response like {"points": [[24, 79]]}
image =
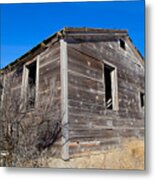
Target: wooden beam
{"points": [[24, 86], [3, 90], [103, 81], [115, 89], [37, 79], [64, 99]]}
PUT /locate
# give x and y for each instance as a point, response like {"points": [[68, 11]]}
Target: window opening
{"points": [[31, 85], [110, 87], [142, 98], [122, 44]]}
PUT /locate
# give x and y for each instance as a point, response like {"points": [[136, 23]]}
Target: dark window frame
{"points": [[2, 89], [142, 99], [31, 85], [122, 44], [114, 86], [1, 92], [25, 84]]}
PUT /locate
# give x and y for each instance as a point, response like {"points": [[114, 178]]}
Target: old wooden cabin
{"points": [[97, 76]]}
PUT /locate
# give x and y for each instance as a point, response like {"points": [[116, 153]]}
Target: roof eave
{"points": [[61, 34]]}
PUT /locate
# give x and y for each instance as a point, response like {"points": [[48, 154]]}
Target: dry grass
{"points": [[129, 156]]}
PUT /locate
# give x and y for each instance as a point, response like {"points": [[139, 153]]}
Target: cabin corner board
{"points": [[64, 98]]}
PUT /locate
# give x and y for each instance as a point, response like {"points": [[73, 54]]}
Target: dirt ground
{"points": [[129, 156]]}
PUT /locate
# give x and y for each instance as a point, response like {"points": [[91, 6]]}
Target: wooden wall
{"points": [[49, 75], [50, 89], [89, 120], [91, 125], [48, 106]]}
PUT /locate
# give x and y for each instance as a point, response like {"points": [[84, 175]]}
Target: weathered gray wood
{"points": [[24, 85], [79, 146], [104, 52], [3, 90], [84, 83], [64, 98], [49, 68], [76, 65], [84, 125], [86, 76], [37, 80], [52, 50], [50, 62]]}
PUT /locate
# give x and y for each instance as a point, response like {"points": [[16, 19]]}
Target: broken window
{"points": [[31, 85], [110, 87], [122, 44], [142, 98]]}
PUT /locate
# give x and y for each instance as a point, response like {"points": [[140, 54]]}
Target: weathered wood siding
{"points": [[49, 92], [1, 121], [90, 125], [49, 76], [1, 88], [89, 120]]}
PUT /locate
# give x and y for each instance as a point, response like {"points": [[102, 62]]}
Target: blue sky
{"points": [[25, 25]]}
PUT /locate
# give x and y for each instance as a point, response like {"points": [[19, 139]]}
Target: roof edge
{"points": [[42, 45], [93, 30], [60, 34]]}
